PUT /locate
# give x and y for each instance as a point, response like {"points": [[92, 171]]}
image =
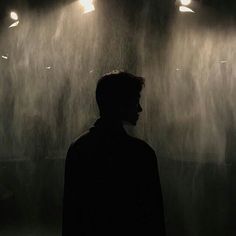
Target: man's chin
{"points": [[131, 122]]}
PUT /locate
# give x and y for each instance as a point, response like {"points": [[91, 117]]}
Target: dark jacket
{"points": [[112, 185]]}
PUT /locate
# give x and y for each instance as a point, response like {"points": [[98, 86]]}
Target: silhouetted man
{"points": [[112, 184]]}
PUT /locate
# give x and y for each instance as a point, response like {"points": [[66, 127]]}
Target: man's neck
{"points": [[110, 120]]}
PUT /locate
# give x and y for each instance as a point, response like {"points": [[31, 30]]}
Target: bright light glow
{"points": [[185, 2], [223, 62], [185, 9], [5, 57], [14, 15], [87, 5], [48, 68], [14, 24]]}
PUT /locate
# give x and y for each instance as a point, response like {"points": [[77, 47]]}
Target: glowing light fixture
{"points": [[87, 5], [185, 2], [4, 57], [14, 24], [185, 9], [14, 15], [48, 68]]}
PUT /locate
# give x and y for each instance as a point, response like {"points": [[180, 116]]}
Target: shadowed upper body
{"points": [[112, 184]]}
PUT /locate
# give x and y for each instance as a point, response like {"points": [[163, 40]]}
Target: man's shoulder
{"points": [[79, 145], [81, 140], [141, 145], [89, 141]]}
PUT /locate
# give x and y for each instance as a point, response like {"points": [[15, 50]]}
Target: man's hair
{"points": [[116, 88]]}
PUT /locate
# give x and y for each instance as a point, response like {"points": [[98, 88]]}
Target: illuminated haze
{"points": [[54, 60]]}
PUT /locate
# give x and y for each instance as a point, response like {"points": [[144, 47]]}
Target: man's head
{"points": [[118, 95]]}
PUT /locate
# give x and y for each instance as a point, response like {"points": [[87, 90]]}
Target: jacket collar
{"points": [[110, 127]]}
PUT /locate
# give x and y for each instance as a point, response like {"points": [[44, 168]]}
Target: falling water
{"points": [[192, 89], [49, 78]]}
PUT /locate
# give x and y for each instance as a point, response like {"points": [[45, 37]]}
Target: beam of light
{"points": [[14, 24], [185, 9], [185, 2], [87, 5], [14, 15], [4, 57], [48, 68]]}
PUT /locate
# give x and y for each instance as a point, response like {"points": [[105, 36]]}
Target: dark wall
{"points": [[201, 202]]}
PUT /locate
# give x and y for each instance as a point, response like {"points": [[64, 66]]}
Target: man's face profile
{"points": [[131, 109]]}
